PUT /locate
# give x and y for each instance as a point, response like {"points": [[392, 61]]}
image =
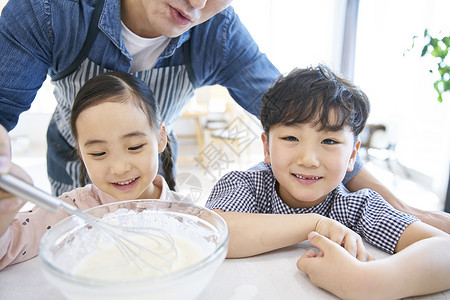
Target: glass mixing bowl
{"points": [[70, 241]]}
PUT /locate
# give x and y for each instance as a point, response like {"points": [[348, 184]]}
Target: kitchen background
{"points": [[411, 156]]}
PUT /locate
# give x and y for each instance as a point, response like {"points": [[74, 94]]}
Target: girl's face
{"points": [[308, 163], [120, 149], [171, 18]]}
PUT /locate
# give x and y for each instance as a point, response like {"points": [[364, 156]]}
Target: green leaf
{"points": [[446, 41], [424, 50], [437, 48], [446, 85], [444, 70], [434, 42], [438, 52], [436, 87]]}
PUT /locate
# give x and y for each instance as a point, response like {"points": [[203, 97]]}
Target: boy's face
{"points": [[308, 163], [171, 18], [120, 149]]}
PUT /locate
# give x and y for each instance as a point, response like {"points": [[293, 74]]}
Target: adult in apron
{"points": [[75, 40]]}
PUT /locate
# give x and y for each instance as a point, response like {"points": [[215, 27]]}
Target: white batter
{"points": [[111, 265]]}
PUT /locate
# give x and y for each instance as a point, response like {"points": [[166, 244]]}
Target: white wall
{"points": [[295, 33]]}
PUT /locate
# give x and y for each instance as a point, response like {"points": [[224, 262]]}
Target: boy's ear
{"points": [[265, 140], [351, 161], [162, 138]]}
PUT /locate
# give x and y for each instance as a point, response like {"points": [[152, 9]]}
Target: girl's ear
{"points": [[265, 140], [351, 161], [162, 138]]}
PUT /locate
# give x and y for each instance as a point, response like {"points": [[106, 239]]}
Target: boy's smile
{"points": [[308, 163], [307, 179]]}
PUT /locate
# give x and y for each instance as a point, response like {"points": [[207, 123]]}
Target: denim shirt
{"points": [[44, 37]]}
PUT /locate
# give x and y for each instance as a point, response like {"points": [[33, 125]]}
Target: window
{"points": [[295, 33]]}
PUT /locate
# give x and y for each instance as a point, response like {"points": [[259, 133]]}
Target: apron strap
{"points": [[188, 62], [90, 38]]}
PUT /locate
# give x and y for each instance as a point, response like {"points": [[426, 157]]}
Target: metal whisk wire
{"points": [[135, 251]]}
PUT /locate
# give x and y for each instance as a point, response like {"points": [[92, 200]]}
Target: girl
{"points": [[116, 124]]}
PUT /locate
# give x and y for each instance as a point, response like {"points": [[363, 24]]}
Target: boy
{"points": [[311, 120]]}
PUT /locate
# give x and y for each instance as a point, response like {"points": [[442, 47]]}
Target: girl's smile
{"points": [[126, 185]]}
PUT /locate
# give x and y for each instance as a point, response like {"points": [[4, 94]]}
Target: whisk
{"points": [[132, 249]]}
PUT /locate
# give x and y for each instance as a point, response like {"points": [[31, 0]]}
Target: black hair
{"points": [[311, 95], [121, 87]]}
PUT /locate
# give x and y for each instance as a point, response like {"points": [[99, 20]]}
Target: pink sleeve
{"points": [[21, 240]]}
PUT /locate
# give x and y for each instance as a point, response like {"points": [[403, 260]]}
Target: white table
{"points": [[268, 276]]}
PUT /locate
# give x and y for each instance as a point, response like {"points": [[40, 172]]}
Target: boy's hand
{"points": [[343, 236], [332, 269]]}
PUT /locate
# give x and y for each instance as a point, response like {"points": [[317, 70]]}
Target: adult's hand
{"points": [[9, 204], [5, 151], [438, 219]]}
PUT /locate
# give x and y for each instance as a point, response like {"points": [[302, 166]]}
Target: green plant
{"points": [[438, 47]]}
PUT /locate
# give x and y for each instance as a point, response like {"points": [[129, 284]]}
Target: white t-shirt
{"points": [[144, 51]]}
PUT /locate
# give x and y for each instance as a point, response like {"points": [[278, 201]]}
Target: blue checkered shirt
{"points": [[365, 211]]}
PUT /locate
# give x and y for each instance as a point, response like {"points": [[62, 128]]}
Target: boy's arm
{"points": [[254, 233], [364, 179], [422, 267]]}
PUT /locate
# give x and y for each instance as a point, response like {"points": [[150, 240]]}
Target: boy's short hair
{"points": [[315, 94]]}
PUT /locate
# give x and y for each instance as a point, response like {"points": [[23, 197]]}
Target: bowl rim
{"points": [[148, 281]]}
